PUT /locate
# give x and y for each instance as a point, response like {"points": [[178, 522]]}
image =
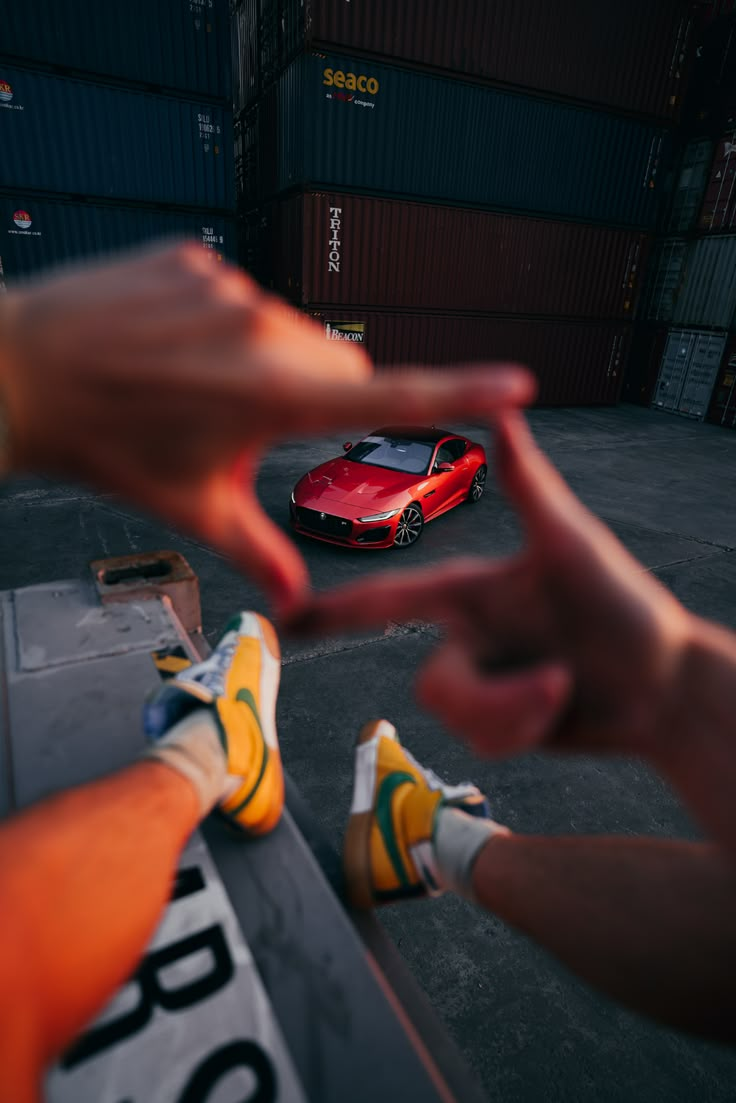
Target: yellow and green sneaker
{"points": [[239, 685], [389, 849]]}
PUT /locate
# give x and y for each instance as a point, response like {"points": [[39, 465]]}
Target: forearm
{"points": [[697, 749], [84, 877], [651, 923]]}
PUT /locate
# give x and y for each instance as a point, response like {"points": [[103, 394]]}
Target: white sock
{"points": [[193, 748], [458, 840]]}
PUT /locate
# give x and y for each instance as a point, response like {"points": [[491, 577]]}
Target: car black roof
{"points": [[414, 432]]}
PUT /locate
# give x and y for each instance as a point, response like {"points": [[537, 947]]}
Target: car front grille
{"points": [[324, 523]]}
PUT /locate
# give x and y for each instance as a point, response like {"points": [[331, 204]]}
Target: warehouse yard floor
{"points": [[665, 486]]}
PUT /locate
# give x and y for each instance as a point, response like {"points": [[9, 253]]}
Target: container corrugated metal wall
{"points": [[719, 205], [711, 96], [664, 280], [714, 9], [722, 410], [688, 372], [442, 140], [692, 179], [341, 248], [708, 295], [178, 44], [631, 55], [37, 234], [244, 47], [580, 363], [72, 136]]}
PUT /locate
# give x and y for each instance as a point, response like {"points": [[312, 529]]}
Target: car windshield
{"points": [[395, 453]]}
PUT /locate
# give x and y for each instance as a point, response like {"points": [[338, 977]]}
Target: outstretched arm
{"points": [[651, 923]]}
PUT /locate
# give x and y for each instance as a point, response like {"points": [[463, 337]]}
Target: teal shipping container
{"points": [[708, 294], [177, 44], [334, 122], [690, 185], [89, 139], [36, 234], [664, 280], [688, 372], [693, 283]]}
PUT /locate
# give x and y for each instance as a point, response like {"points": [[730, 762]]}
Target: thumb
{"points": [[497, 714], [534, 486]]}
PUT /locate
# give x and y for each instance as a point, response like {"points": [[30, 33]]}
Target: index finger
{"points": [[306, 405], [430, 593]]}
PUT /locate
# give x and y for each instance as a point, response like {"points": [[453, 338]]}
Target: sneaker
{"points": [[239, 683], [389, 850]]}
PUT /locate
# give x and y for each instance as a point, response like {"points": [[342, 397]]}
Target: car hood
{"points": [[356, 484]]}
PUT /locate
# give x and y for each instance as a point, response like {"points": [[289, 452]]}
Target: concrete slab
{"points": [[532, 1032]]}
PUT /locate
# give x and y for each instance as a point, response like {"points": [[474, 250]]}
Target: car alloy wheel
{"points": [[478, 485], [409, 527]]}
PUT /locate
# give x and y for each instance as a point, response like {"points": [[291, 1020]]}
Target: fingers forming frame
{"points": [[497, 714]]}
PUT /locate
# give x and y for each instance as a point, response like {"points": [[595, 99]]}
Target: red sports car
{"points": [[381, 493]]}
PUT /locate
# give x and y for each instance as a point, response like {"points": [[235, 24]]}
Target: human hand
{"points": [[568, 643], [165, 376]]}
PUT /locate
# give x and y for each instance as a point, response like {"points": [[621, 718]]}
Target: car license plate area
{"points": [[324, 523]]}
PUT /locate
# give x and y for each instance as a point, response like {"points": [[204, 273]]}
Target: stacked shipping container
{"points": [[691, 285], [464, 182], [393, 254], [631, 56], [115, 126]]}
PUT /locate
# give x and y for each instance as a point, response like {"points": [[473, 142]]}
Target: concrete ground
{"points": [[532, 1032]]}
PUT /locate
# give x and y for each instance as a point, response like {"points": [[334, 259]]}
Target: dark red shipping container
{"points": [[719, 206], [628, 54], [642, 370], [576, 363], [331, 248], [722, 410]]}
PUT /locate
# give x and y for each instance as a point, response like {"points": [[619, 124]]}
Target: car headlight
{"points": [[293, 499], [380, 516]]}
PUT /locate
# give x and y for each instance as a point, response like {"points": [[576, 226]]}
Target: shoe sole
{"points": [[356, 847], [270, 676], [254, 626]]}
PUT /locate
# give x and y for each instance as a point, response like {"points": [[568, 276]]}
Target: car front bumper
{"points": [[342, 531]]}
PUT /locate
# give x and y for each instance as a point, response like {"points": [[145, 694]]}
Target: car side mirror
{"points": [[347, 446], [445, 467]]}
